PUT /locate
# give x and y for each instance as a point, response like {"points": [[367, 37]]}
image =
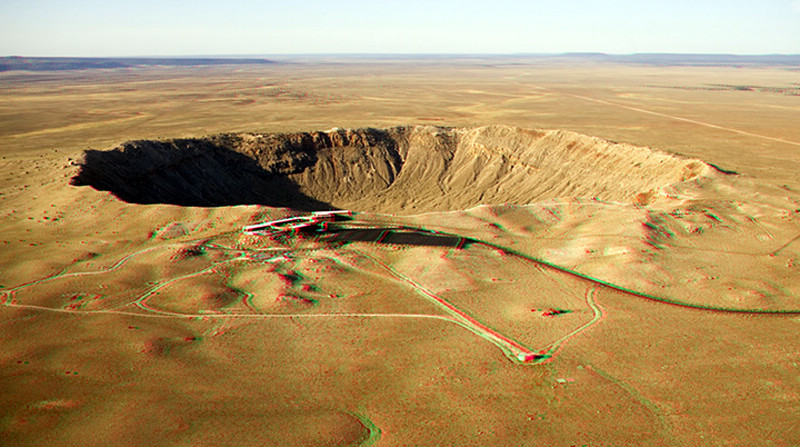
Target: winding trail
{"points": [[598, 315], [142, 300], [155, 313], [513, 349], [8, 292], [638, 294]]}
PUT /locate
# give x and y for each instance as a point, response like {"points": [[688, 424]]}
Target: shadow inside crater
{"points": [[189, 172]]}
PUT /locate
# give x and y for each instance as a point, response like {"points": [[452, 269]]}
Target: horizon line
{"points": [[518, 53]]}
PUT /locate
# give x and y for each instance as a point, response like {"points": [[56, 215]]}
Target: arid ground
{"points": [[626, 271]]}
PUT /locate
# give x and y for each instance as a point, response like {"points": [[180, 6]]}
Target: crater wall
{"points": [[400, 169]]}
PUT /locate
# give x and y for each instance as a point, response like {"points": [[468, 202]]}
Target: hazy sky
{"points": [[178, 27]]}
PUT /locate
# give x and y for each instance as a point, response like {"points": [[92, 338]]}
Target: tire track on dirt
{"points": [[672, 117]]}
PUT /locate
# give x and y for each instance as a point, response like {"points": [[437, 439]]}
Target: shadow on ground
{"points": [[399, 237]]}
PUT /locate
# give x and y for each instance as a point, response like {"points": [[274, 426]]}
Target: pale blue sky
{"points": [[182, 27]]}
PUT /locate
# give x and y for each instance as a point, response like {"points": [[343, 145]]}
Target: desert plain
{"points": [[627, 272]]}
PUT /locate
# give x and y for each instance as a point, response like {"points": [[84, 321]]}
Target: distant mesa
{"points": [[88, 63], [399, 170], [677, 59], [652, 59]]}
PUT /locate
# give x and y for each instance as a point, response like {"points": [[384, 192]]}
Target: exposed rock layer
{"points": [[401, 169]]}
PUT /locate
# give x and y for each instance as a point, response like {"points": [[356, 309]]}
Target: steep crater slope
{"points": [[401, 169]]}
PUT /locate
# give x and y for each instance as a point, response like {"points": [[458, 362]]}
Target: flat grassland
{"points": [[123, 323]]}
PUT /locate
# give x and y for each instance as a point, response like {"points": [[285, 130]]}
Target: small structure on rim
{"points": [[316, 221]]}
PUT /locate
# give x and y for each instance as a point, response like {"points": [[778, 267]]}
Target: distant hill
{"points": [[688, 59], [86, 63], [657, 59]]}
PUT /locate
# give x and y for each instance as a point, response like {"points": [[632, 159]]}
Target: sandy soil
{"points": [[662, 302]]}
